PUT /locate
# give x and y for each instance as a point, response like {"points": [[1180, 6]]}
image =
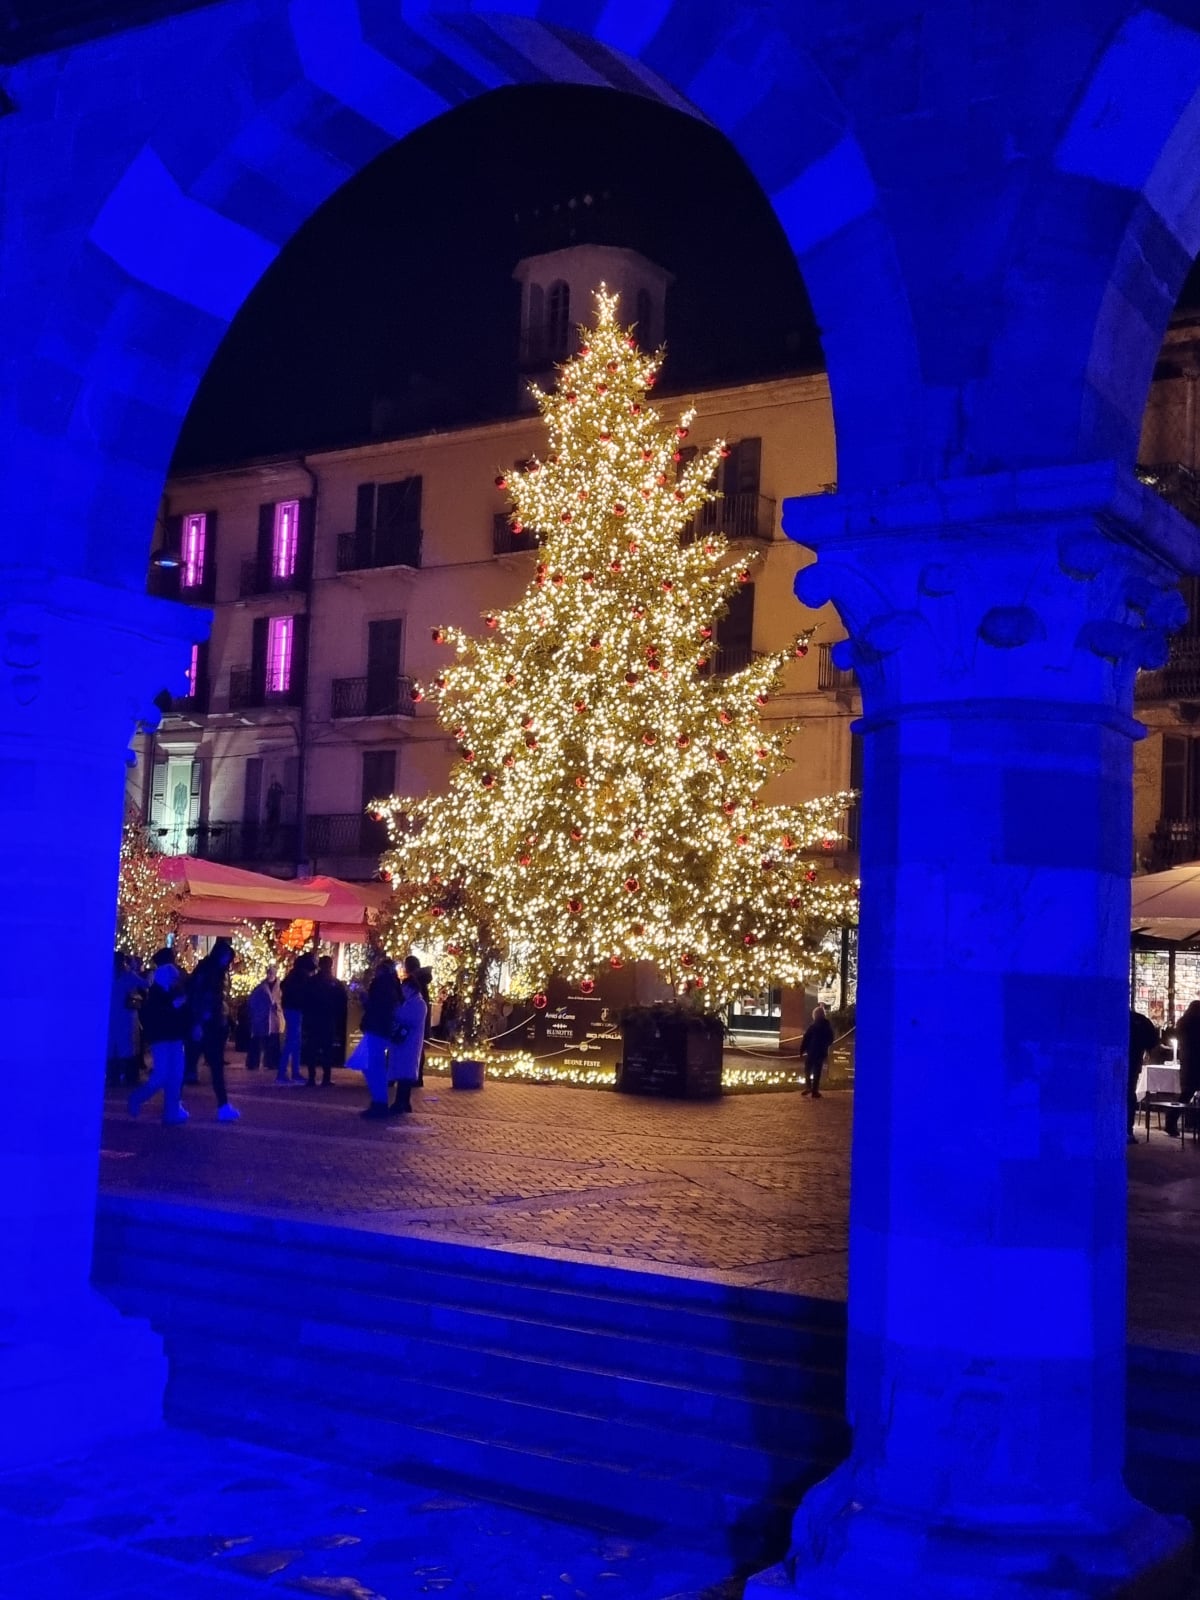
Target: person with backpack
{"points": [[209, 1016]]}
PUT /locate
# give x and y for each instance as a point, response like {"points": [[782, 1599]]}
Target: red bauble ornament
{"points": [[580, 781], [676, 455], [802, 651], [649, 737], [583, 494], [761, 753], [601, 388], [632, 886], [743, 838], [615, 963], [523, 861], [725, 452], [460, 734], [586, 985], [632, 343], [439, 683], [614, 566], [645, 494], [437, 911], [633, 547], [631, 678], [706, 632], [566, 516], [701, 663], [572, 397], [668, 586], [661, 480], [531, 742], [589, 577], [679, 495], [574, 906], [647, 455], [510, 679], [527, 722], [639, 833], [810, 876], [501, 482], [725, 717], [577, 834], [618, 510], [454, 949], [681, 432], [652, 652], [416, 694], [793, 902], [491, 622], [686, 959], [710, 550], [729, 807], [750, 939], [683, 741], [611, 366], [787, 842], [721, 756], [594, 642], [605, 437], [559, 578], [539, 1001], [488, 779], [468, 755], [585, 349], [510, 761], [635, 409], [439, 636], [744, 575], [637, 929], [760, 699], [651, 379], [580, 707], [639, 612]]}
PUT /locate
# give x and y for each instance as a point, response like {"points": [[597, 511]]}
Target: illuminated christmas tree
{"points": [[147, 905], [604, 807]]}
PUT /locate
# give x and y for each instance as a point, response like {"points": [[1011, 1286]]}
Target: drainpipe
{"points": [[302, 739]]}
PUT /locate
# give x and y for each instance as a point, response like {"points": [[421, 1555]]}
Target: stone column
{"points": [[996, 625], [79, 664]]}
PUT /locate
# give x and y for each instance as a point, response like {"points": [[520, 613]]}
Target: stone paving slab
{"points": [[750, 1189], [171, 1515]]}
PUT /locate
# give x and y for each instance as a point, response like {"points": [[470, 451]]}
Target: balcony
{"points": [[369, 697], [367, 548], [348, 833], [737, 516], [189, 705], [258, 579], [1178, 680], [849, 825], [247, 692], [1174, 841], [236, 843], [727, 658], [507, 543], [832, 678]]}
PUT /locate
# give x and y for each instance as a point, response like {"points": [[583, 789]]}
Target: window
{"points": [[192, 550], [285, 545], [193, 673], [281, 637], [558, 318]]}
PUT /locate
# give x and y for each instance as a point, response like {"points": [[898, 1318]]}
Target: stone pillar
{"points": [[996, 627], [79, 664]]}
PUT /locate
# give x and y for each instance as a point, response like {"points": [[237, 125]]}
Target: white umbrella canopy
{"points": [[1166, 905]]}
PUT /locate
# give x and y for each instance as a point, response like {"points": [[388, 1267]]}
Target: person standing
{"points": [[124, 1045], [423, 978], [209, 1015], [265, 1009], [165, 1025], [295, 993], [814, 1047], [408, 1044], [1143, 1036], [324, 1024], [378, 1029], [1187, 1032]]}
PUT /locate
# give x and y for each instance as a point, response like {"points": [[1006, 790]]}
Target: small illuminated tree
{"points": [[604, 807], [147, 904]]}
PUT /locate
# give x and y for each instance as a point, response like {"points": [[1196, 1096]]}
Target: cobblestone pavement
{"points": [[175, 1516], [751, 1188]]}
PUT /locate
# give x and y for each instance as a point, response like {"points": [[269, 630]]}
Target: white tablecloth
{"points": [[1159, 1080]]}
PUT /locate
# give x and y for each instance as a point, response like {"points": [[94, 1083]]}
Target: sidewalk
{"points": [[748, 1189]]}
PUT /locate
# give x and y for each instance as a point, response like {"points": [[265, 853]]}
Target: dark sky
{"points": [[401, 285]]}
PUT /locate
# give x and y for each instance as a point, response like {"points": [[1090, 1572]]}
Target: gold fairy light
{"points": [[604, 806]]}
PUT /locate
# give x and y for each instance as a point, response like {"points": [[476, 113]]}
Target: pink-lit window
{"points": [[281, 635], [192, 554], [287, 538], [193, 673]]}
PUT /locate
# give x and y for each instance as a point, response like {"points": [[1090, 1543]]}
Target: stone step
{"points": [[706, 1315]]}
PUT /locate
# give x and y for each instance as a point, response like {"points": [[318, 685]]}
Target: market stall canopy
{"points": [[1166, 905], [217, 898], [349, 911]]}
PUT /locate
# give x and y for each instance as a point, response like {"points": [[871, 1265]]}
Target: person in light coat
{"points": [[265, 1006], [408, 1044]]}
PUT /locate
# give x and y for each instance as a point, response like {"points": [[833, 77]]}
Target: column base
{"points": [[74, 1376], [867, 1555]]}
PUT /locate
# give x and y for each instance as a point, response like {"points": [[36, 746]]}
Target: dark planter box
{"points": [[669, 1051], [466, 1074]]}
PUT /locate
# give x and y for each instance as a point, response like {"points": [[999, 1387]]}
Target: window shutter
{"points": [[378, 775], [195, 794], [364, 508], [743, 470], [299, 675], [200, 697], [258, 660], [265, 553], [304, 544], [158, 793], [736, 629], [252, 795], [383, 650], [1174, 777]]}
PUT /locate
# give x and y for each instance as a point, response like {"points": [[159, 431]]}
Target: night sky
{"points": [[401, 285]]}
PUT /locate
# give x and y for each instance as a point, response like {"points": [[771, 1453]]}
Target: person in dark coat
{"points": [[379, 1028], [1187, 1032], [324, 1023], [295, 1000], [124, 1040], [814, 1047], [209, 1015], [1143, 1036], [165, 1026], [414, 972]]}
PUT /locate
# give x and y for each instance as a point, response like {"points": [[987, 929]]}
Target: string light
{"points": [[564, 793], [147, 904]]}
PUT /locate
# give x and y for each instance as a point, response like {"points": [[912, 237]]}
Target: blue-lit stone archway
{"points": [[993, 208]]}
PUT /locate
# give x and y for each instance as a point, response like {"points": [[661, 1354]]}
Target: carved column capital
{"points": [[70, 645], [1047, 585]]}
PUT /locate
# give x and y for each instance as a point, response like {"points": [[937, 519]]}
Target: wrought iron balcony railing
{"points": [[258, 578], [727, 658], [738, 516], [247, 692], [1179, 679], [366, 548], [347, 833], [1174, 841], [231, 842], [505, 542], [372, 697]]}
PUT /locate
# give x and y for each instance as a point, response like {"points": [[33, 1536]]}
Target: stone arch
{"points": [[197, 207]]}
